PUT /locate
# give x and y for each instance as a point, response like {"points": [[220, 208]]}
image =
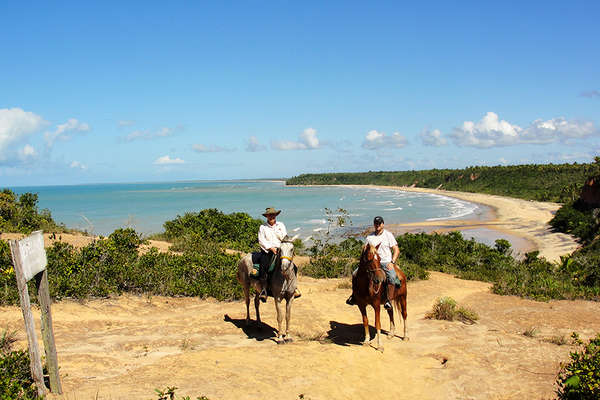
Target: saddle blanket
{"points": [[255, 272]]}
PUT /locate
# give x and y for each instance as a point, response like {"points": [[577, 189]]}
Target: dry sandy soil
{"points": [[125, 347]]}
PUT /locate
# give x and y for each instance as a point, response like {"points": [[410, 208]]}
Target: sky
{"points": [[101, 92]]}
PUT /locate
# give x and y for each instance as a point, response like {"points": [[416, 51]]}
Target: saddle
{"points": [[255, 272]]}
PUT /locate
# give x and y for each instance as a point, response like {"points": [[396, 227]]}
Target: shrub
{"points": [[15, 379], [22, 215], [235, 231], [445, 308], [580, 378]]}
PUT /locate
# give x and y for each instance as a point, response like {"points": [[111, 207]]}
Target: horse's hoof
{"points": [[366, 343], [380, 349], [288, 339]]}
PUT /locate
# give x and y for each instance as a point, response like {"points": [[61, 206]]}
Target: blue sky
{"points": [[155, 91]]}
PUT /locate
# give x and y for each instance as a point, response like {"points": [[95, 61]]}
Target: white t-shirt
{"points": [[386, 241], [271, 236]]}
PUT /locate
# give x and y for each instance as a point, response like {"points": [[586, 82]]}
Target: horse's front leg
{"points": [[392, 324], [378, 325], [363, 311], [279, 318], [247, 299], [256, 306], [288, 316]]}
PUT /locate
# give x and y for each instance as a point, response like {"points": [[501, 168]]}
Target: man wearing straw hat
{"points": [[270, 235]]}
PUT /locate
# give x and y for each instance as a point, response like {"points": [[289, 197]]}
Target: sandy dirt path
{"points": [[125, 347]]}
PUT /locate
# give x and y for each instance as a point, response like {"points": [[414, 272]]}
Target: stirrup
{"points": [[388, 305], [297, 293], [263, 296], [350, 301]]}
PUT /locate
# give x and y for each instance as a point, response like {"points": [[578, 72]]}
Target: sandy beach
{"points": [[521, 218]]}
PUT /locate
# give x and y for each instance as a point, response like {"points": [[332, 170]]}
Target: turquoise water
{"points": [[102, 208]]}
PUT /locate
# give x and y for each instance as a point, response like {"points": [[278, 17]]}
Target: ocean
{"points": [[101, 208]]}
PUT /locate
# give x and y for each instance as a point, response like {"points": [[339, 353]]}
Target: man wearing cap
{"points": [[270, 235], [388, 253]]}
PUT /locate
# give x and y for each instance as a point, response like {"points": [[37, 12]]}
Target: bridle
{"points": [[371, 272]]}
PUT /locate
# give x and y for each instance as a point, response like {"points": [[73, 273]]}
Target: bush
{"points": [[445, 308], [22, 215], [15, 378], [580, 378], [113, 265], [235, 231], [578, 220]]}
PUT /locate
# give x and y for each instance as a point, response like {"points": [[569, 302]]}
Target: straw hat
{"points": [[271, 211]]}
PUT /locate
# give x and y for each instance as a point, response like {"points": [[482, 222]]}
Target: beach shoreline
{"points": [[526, 220]]}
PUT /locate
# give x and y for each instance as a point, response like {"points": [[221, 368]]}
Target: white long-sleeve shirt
{"points": [[271, 235]]}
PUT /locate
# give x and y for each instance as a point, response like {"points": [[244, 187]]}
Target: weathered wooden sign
{"points": [[29, 261], [32, 254]]}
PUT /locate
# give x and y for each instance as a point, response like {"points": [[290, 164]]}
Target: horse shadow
{"points": [[259, 333], [348, 334]]}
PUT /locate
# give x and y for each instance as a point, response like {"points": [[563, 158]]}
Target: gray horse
{"points": [[282, 284]]}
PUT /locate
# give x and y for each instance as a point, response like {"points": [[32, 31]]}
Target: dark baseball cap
{"points": [[377, 220]]}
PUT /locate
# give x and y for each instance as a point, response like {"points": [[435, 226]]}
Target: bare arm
{"points": [[395, 253]]}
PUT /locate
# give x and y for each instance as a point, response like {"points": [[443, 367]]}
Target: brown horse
{"points": [[368, 287]]}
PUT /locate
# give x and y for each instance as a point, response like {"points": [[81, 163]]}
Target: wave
{"points": [[393, 209]]}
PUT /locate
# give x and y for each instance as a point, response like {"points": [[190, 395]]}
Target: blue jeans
{"points": [[389, 273]]}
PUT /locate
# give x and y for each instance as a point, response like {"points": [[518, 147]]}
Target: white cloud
{"points": [[27, 153], [254, 145], [16, 124], [147, 135], [200, 148], [556, 129], [62, 130], [308, 141], [78, 165], [378, 140], [493, 132], [433, 138], [488, 132], [166, 160]]}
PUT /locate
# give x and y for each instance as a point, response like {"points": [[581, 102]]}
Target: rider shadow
{"points": [[348, 334], [259, 333]]}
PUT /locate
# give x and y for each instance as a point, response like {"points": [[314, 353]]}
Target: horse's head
{"points": [[286, 255], [371, 262], [369, 258]]}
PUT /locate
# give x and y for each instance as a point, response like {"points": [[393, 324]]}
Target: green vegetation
{"points": [[114, 265], [580, 378], [234, 231], [15, 378], [546, 182], [577, 219], [21, 214], [532, 277], [446, 308]]}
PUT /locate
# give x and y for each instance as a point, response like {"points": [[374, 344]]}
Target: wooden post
{"points": [[29, 260], [35, 361], [48, 331]]}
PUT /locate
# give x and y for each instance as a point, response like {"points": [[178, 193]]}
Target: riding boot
{"points": [[390, 296], [350, 300], [265, 263]]}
